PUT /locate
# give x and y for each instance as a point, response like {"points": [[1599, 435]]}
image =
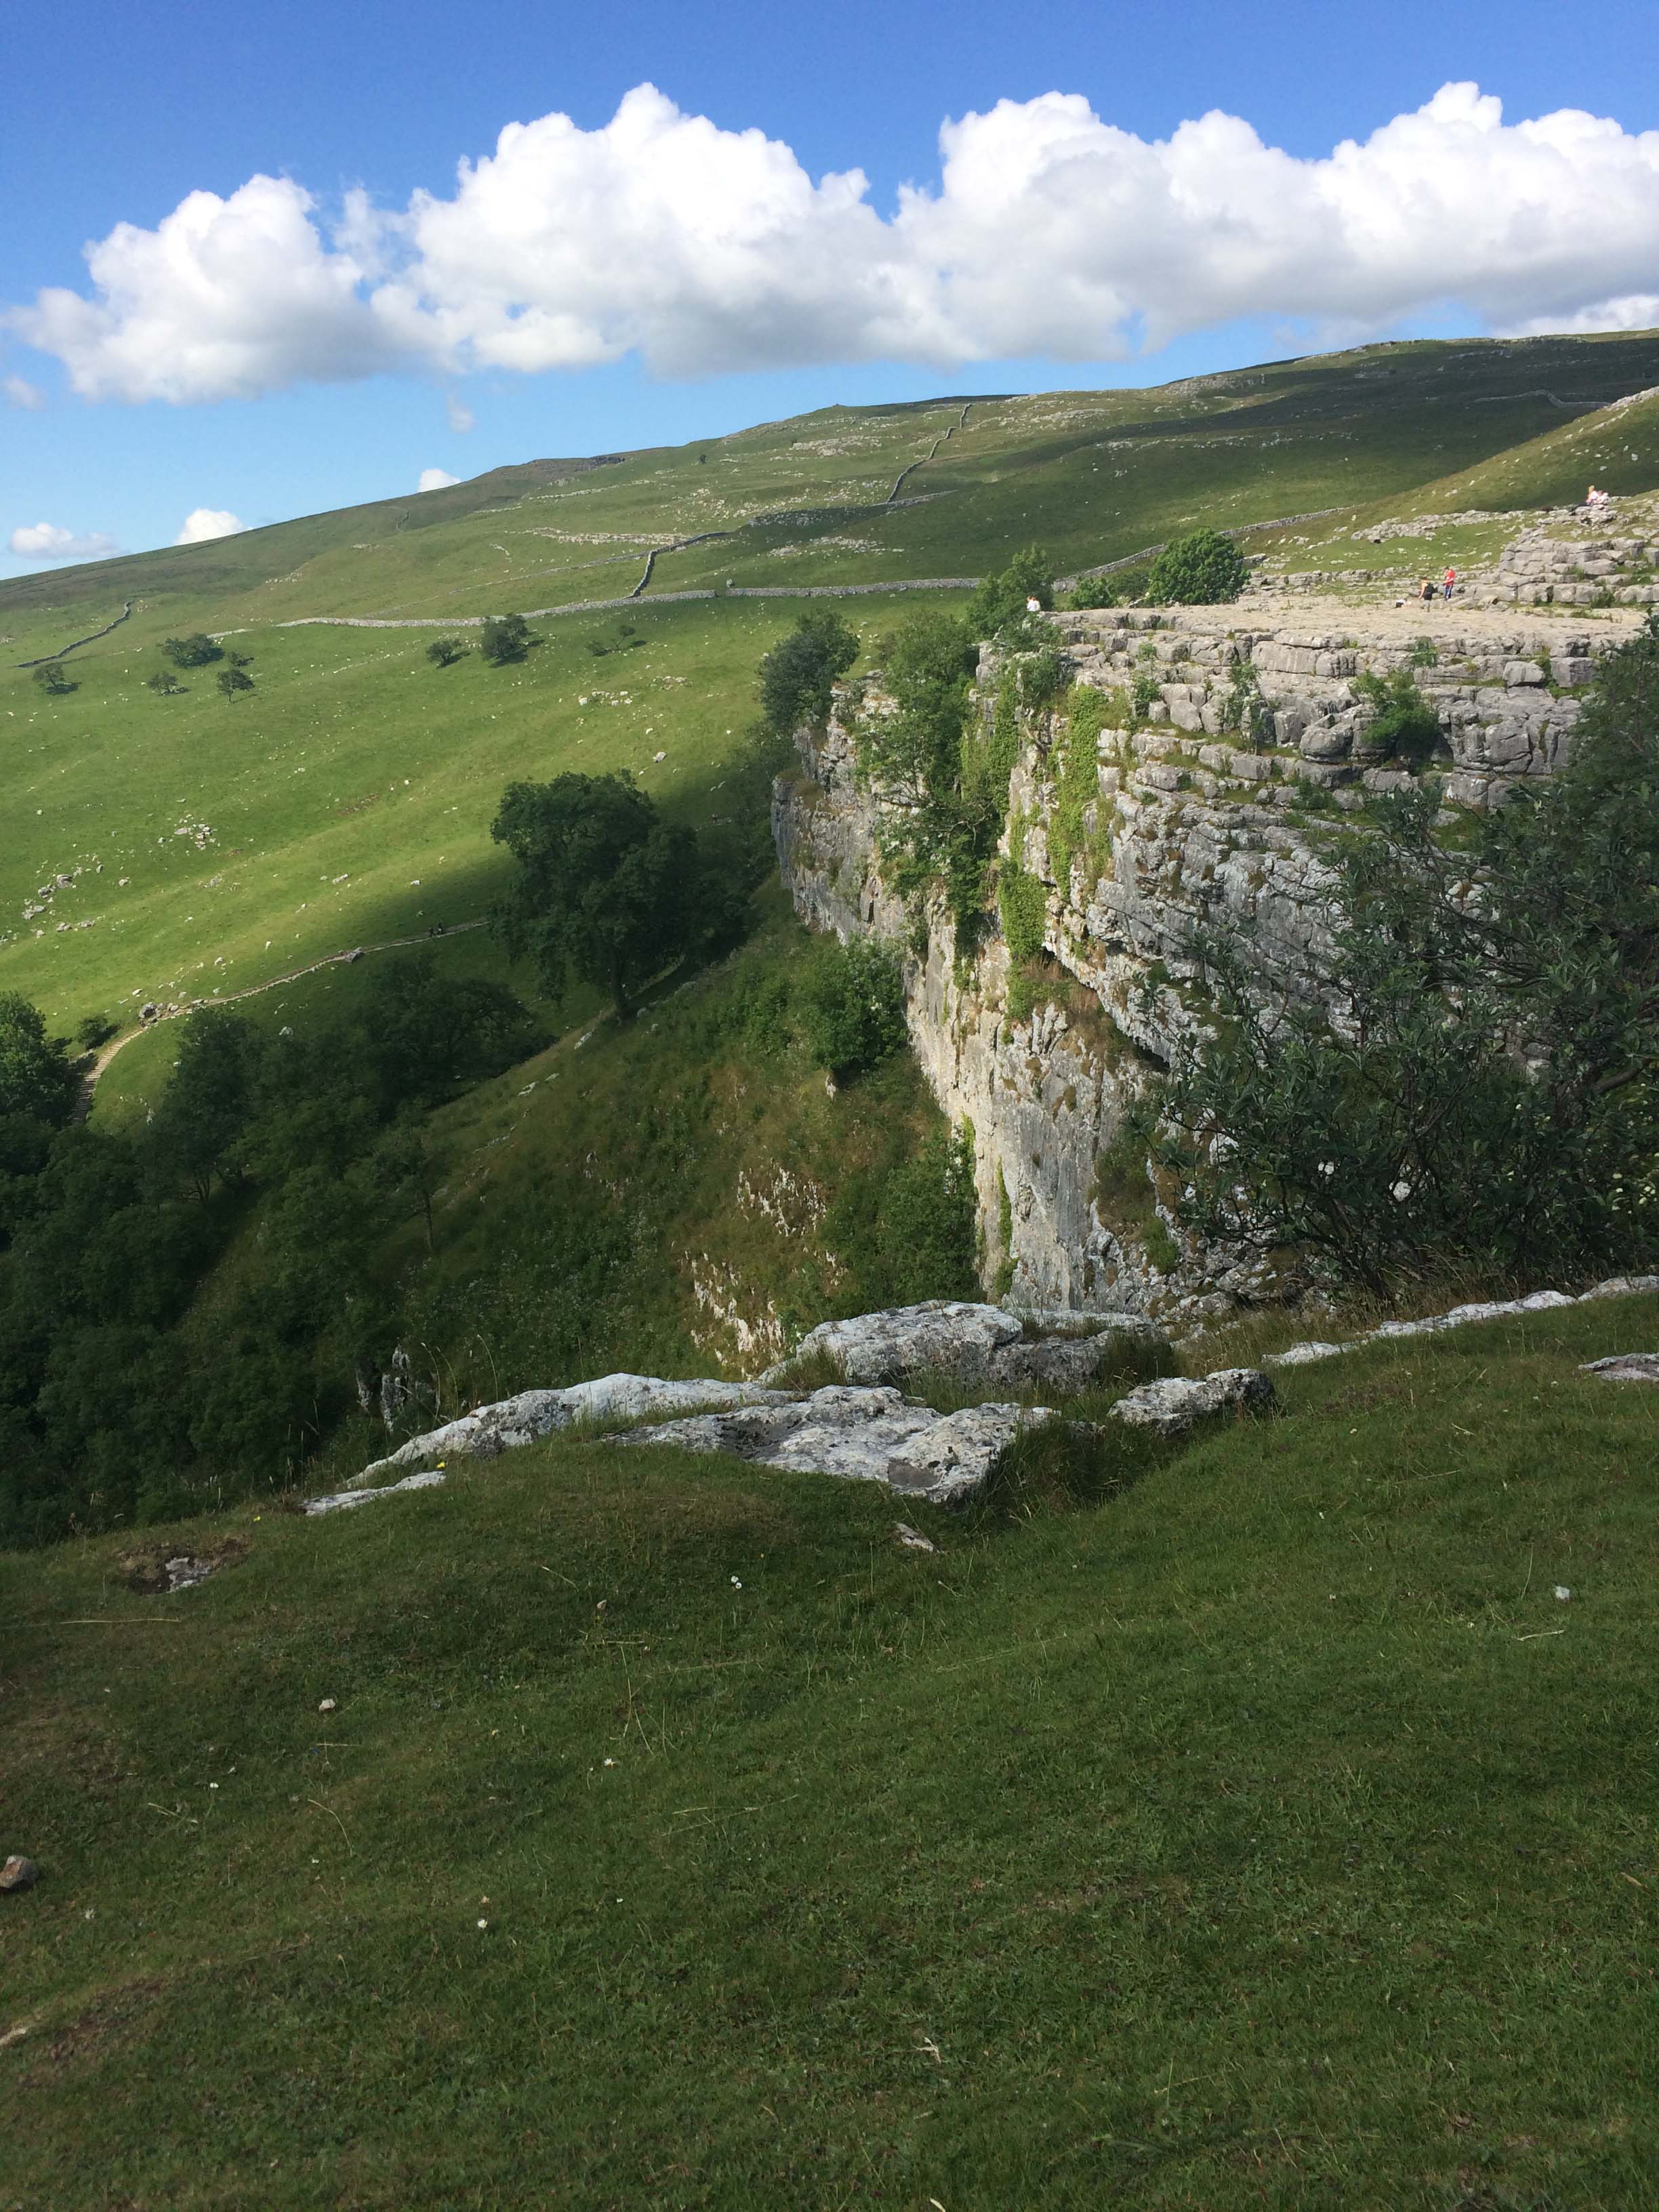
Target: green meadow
{"points": [[1270, 1821]]}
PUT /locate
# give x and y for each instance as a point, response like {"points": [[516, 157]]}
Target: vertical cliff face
{"points": [[1224, 752]]}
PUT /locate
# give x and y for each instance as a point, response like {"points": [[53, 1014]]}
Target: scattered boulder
{"points": [[1302, 1355], [940, 1336], [865, 1434], [19, 1873], [1174, 1404], [1044, 1349], [153, 1572], [1625, 1367]]}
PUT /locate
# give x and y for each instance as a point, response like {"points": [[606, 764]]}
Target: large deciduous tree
{"points": [[604, 888], [35, 1070], [798, 677]]}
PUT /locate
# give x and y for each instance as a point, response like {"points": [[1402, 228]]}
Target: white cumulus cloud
{"points": [[202, 523], [435, 480], [702, 249], [20, 393], [50, 541]]}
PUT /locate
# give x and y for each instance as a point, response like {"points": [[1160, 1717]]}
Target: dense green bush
{"points": [[35, 1077], [852, 1008], [118, 1400], [1404, 724], [798, 677], [604, 888], [1487, 1091], [1092, 591], [504, 639], [914, 1234], [942, 821], [999, 609], [1199, 570], [1023, 904], [195, 651]]}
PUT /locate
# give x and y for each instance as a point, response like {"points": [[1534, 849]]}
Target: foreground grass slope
{"points": [[1271, 1833]]}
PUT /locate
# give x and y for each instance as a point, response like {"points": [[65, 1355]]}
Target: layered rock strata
{"points": [[1230, 743]]}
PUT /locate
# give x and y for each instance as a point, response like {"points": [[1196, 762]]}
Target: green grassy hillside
{"points": [[353, 760], [1616, 447], [1278, 1830]]}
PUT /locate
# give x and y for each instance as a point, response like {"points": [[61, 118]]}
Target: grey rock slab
{"points": [[537, 1413], [1175, 1403], [1495, 1310], [1625, 1367], [19, 1873], [1063, 1365], [862, 1434], [942, 1335], [339, 1500], [1303, 1355], [1068, 1321]]}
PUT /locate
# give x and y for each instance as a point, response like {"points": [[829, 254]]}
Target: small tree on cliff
{"points": [[797, 678], [1000, 607], [604, 888]]}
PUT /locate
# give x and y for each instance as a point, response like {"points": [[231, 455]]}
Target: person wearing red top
{"points": [[1451, 581]]}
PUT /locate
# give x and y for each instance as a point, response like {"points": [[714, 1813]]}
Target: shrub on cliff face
{"points": [[1000, 608], [1199, 571], [853, 1006], [1405, 726], [1490, 1092], [798, 677]]}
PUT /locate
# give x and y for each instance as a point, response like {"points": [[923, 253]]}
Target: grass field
{"points": [[1271, 1832], [349, 795]]}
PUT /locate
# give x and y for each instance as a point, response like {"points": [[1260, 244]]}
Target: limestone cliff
{"points": [[1232, 738]]}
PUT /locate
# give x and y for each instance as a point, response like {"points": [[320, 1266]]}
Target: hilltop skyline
{"points": [[576, 244]]}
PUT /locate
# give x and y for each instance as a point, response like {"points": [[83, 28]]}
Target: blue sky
{"points": [[1480, 227]]}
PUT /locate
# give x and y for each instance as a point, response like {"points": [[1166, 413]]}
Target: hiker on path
{"points": [[1451, 583], [1425, 591]]}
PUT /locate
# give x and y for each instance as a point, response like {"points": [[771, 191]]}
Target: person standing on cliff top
{"points": [[1451, 582], [1425, 591]]}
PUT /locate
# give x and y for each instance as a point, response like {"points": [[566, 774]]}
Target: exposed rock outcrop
{"points": [[864, 1435], [533, 1414], [978, 1344], [1229, 740], [1626, 1367], [1616, 1286], [864, 1428]]}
